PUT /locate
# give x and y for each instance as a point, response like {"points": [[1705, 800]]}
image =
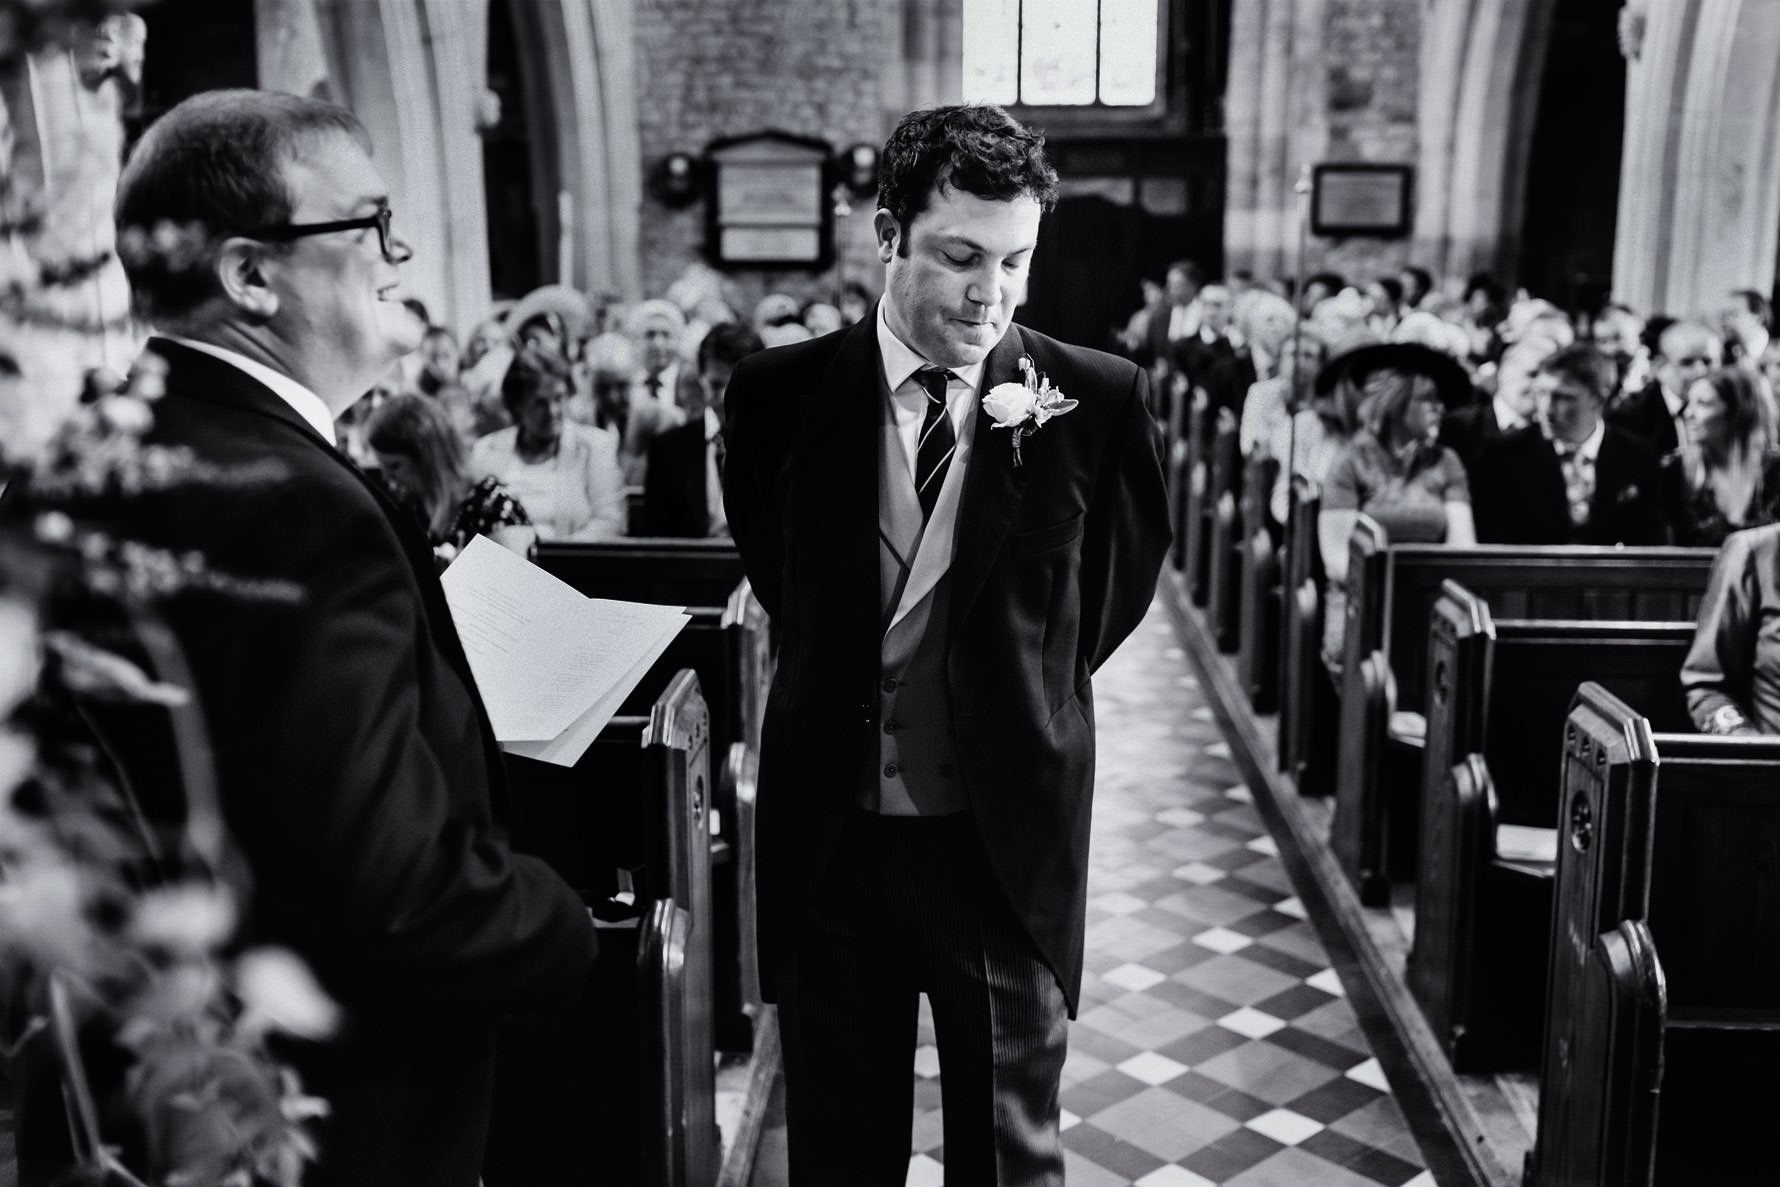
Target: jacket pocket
{"points": [[1046, 538]]}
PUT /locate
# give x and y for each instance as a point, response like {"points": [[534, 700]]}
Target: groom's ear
{"points": [[888, 232]]}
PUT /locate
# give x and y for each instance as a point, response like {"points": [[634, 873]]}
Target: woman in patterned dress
{"points": [[423, 459]]}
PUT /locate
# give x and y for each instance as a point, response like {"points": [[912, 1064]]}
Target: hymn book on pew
{"points": [[553, 665]]}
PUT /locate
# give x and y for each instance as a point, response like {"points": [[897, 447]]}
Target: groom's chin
{"points": [[968, 350]]}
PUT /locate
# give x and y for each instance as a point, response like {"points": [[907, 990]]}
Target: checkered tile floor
{"points": [[1214, 1044]]}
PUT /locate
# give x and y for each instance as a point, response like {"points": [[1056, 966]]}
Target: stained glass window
{"points": [[1055, 53]]}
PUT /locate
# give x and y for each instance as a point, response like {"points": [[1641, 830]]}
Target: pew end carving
{"points": [[1261, 626], [1224, 572], [1668, 849]]}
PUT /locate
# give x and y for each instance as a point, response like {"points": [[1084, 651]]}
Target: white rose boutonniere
{"points": [[1024, 407]]}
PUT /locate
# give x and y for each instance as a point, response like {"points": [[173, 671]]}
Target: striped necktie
{"points": [[938, 441]]}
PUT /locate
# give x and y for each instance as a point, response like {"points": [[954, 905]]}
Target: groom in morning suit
{"points": [[927, 763]]}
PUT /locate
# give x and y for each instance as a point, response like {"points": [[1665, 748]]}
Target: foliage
{"points": [[118, 937]]}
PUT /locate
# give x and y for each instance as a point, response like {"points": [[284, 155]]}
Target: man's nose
{"points": [[985, 289]]}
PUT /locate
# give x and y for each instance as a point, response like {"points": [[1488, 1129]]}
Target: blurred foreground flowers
{"points": [[123, 979], [117, 931]]}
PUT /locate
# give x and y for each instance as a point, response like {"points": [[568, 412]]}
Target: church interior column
{"points": [[1660, 50], [1242, 128]]}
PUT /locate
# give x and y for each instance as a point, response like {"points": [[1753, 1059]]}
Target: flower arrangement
{"points": [[1024, 407], [118, 944], [116, 930]]}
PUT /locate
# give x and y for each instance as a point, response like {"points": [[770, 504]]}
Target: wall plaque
{"points": [[769, 203], [1360, 199]]}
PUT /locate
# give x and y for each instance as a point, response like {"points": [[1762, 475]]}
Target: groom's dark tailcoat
{"points": [[1055, 562], [359, 775]]}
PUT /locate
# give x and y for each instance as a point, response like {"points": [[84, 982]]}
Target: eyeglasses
{"points": [[393, 251], [1694, 360]]}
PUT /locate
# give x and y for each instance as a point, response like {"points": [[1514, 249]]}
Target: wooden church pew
{"points": [[1498, 697], [1261, 627], [1678, 832], [1391, 592], [1307, 699], [727, 644], [1224, 572], [1196, 536], [631, 818], [666, 571]]}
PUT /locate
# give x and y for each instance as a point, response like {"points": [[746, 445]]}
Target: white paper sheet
{"points": [[553, 666]]}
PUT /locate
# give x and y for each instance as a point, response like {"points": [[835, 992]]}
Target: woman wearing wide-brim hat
{"points": [[1393, 467], [1450, 379]]}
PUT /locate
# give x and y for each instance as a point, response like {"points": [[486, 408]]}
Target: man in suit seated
{"points": [[1212, 343], [682, 492], [1686, 351], [1466, 430], [1176, 317], [1572, 478]]}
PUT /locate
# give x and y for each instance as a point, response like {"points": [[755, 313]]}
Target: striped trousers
{"points": [[911, 906]]}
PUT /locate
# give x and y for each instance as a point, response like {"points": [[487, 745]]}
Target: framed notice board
{"points": [[769, 203], [1361, 199]]}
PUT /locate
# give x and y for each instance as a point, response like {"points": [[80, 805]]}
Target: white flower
{"points": [[1050, 403], [19, 654], [125, 414], [1025, 406], [189, 919], [1009, 404], [282, 994], [18, 757]]}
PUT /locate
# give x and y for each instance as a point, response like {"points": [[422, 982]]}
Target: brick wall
{"points": [[709, 69], [1372, 69]]}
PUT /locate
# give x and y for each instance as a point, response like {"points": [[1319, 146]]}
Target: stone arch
{"points": [[401, 66], [414, 73], [583, 53], [1700, 196], [1482, 61]]}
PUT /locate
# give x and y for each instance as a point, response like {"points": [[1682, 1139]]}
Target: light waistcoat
{"points": [[917, 771]]}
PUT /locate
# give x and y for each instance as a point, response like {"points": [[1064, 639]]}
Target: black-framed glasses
{"points": [[393, 251]]}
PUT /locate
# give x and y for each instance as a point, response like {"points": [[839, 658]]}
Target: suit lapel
{"points": [[698, 498], [1608, 479], [836, 484], [899, 513], [934, 542], [992, 485], [1547, 480]]}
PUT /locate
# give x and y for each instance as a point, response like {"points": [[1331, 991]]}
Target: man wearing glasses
{"points": [[355, 762]]}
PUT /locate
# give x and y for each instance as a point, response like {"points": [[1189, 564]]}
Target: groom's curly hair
{"points": [[974, 147]]}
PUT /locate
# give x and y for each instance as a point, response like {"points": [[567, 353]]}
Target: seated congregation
{"points": [[562, 420], [1514, 612]]}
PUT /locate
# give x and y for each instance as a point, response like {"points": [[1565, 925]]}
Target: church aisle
{"points": [[1214, 1043]]}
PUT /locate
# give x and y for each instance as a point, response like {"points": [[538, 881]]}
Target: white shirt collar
{"points": [[713, 427], [303, 402], [900, 361], [1590, 448]]}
